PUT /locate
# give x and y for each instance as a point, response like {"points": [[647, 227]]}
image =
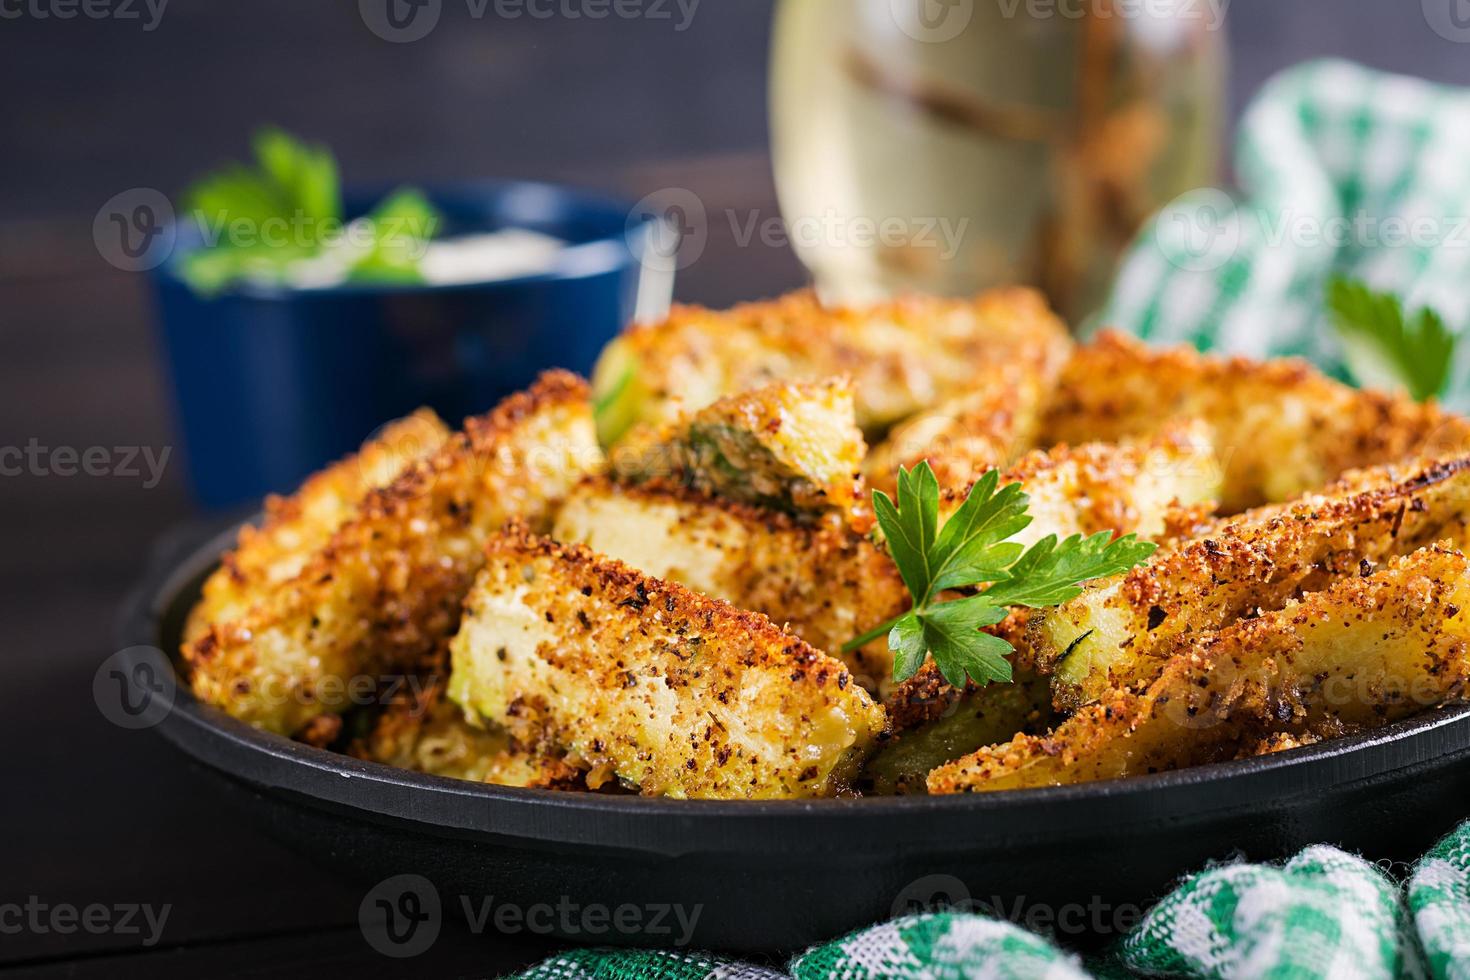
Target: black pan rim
{"points": [[210, 735]]}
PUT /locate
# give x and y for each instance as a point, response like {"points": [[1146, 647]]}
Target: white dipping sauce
{"points": [[488, 257]]}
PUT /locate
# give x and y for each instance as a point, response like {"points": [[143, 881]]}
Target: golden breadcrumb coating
{"points": [[820, 580], [789, 446], [296, 527], [1280, 427], [422, 731], [1185, 522], [1133, 487], [681, 695], [383, 594], [903, 356], [1362, 653], [1277, 742], [1116, 634]]}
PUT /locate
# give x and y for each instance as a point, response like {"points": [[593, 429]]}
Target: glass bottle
{"points": [[947, 146]]}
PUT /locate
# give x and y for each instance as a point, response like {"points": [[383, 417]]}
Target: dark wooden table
{"points": [[93, 814]]}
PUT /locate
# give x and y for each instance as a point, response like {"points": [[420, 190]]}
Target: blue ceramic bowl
{"points": [[271, 383]]}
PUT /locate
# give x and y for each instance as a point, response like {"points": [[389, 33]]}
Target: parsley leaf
{"points": [[304, 174], [911, 536], [952, 634], [973, 549], [1385, 346], [909, 647], [292, 179], [1049, 572], [401, 224]]}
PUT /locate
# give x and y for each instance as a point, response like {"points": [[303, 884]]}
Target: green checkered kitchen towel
{"points": [[927, 946], [1343, 171], [1324, 914]]}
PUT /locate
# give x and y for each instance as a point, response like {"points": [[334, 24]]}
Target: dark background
{"points": [[94, 107]]}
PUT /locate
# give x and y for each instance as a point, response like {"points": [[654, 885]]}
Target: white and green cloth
{"points": [[1439, 900], [1324, 915], [1343, 171]]}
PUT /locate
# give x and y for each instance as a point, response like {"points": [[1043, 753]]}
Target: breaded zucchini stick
{"points": [[383, 594], [951, 725], [1365, 652], [786, 446], [296, 527], [1281, 428], [962, 438], [903, 356], [1118, 633], [820, 580], [681, 695], [424, 732], [1128, 488]]}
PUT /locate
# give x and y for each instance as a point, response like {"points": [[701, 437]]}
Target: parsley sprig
{"points": [[280, 221], [1387, 347], [972, 549]]}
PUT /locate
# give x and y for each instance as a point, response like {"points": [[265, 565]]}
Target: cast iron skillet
{"points": [[774, 876]]}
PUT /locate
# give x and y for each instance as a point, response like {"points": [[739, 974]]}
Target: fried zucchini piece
{"points": [[297, 526], [424, 732], [1281, 428], [680, 694], [1118, 633], [903, 356], [964, 723], [962, 438], [1362, 653], [1130, 488], [787, 446], [383, 594], [820, 580]]}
